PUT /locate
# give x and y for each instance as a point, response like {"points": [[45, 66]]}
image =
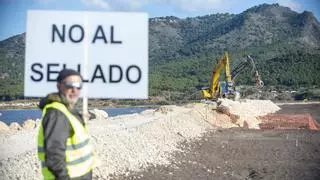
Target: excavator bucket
{"points": [[289, 121], [259, 82]]}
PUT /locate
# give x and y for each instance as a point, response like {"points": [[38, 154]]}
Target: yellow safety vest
{"points": [[79, 153]]}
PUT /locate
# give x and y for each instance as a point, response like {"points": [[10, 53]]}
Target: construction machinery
{"points": [[242, 66], [218, 89]]}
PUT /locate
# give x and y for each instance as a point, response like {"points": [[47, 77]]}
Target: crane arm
{"points": [[236, 71]]}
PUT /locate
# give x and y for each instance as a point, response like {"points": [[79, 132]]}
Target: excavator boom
{"points": [[223, 63]]}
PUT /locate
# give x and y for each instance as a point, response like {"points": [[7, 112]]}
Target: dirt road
{"points": [[239, 154], [245, 154]]}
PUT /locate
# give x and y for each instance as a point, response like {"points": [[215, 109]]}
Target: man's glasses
{"points": [[71, 85]]}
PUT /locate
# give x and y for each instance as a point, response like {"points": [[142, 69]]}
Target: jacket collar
{"points": [[57, 97]]}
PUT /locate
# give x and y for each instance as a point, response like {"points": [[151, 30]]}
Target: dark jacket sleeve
{"points": [[56, 131]]}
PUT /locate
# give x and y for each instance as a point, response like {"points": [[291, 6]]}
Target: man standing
{"points": [[63, 141]]}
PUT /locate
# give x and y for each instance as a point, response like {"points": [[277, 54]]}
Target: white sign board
{"points": [[110, 50]]}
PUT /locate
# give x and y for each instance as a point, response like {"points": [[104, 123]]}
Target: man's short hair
{"points": [[67, 72]]}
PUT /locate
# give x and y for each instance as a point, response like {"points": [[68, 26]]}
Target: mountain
{"points": [[284, 43], [259, 26], [182, 52], [12, 67]]}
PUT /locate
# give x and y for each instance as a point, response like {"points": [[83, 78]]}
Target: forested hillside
{"points": [[183, 52], [12, 67]]}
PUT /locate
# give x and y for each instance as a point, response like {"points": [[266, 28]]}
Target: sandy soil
{"points": [[183, 142]]}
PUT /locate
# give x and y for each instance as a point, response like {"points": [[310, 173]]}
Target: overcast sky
{"points": [[13, 12]]}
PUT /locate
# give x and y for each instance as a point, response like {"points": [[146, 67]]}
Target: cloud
{"points": [[116, 4], [189, 6], [217, 6], [97, 3], [196, 5], [294, 5], [185, 5], [45, 1]]}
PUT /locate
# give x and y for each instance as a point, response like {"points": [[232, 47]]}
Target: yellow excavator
{"points": [[218, 89]]}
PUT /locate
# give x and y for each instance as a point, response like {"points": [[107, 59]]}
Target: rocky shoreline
{"points": [[18, 105], [29, 124], [99, 104]]}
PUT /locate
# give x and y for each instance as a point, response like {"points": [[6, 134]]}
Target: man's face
{"points": [[70, 88]]}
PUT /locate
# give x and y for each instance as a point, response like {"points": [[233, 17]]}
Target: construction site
{"points": [[247, 139], [222, 137], [160, 90]]}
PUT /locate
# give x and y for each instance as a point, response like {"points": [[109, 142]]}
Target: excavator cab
{"points": [[224, 90]]}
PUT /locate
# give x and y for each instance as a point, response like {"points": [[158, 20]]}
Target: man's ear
{"points": [[58, 86]]}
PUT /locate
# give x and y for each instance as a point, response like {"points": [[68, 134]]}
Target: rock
{"points": [[4, 127], [163, 109], [15, 126], [38, 121], [29, 124], [100, 114], [213, 106], [147, 112], [245, 125], [223, 109]]}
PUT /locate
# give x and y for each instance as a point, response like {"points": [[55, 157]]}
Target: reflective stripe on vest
{"points": [[79, 154]]}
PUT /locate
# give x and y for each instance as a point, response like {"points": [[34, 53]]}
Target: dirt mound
{"points": [[244, 113]]}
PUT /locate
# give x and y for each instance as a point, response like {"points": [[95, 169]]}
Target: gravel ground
{"points": [[134, 146]]}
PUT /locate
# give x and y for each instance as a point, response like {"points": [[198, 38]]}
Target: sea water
{"points": [[20, 115]]}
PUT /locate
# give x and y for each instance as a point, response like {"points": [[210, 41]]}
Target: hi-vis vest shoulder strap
{"points": [[79, 154]]}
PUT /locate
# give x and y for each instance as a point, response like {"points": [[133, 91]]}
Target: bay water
{"points": [[20, 115]]}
